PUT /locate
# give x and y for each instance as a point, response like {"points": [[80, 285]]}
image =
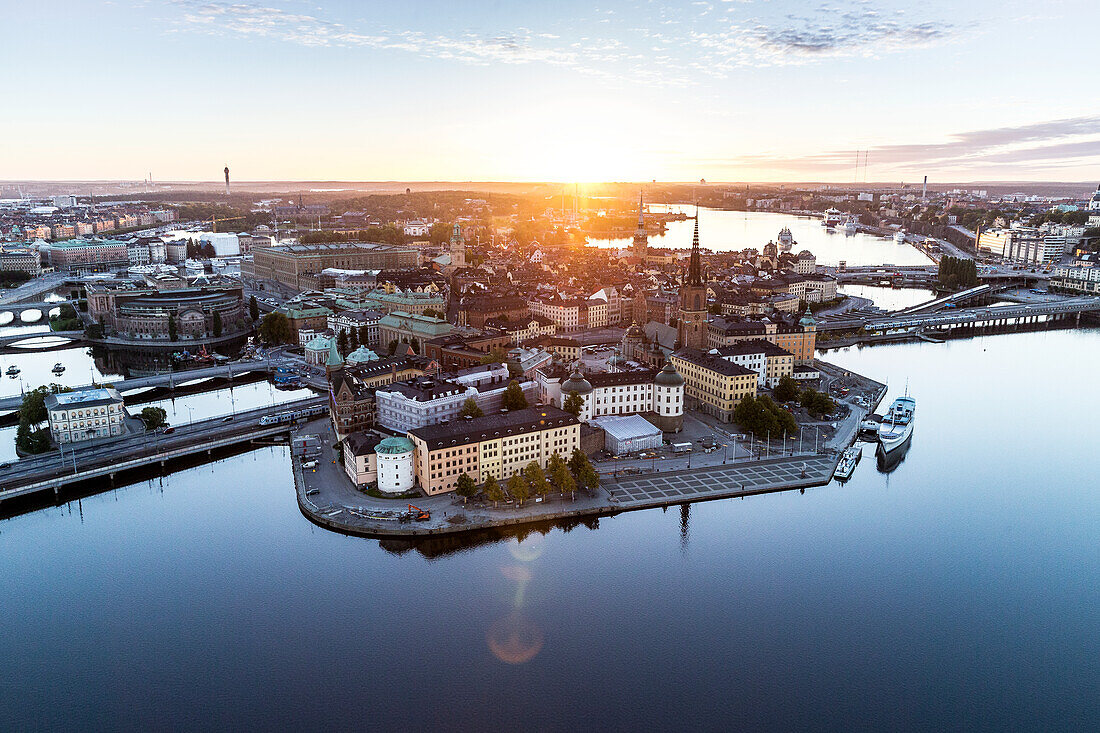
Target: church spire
{"points": [[695, 265]]}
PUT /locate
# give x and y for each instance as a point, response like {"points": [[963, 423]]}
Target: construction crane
{"points": [[214, 222]]}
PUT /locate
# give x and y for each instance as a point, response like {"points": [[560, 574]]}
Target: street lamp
{"points": [[191, 415]]}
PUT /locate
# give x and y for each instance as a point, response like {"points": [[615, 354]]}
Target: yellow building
{"points": [[712, 384], [800, 340], [495, 445]]}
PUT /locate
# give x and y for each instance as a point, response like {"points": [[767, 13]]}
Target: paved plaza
{"points": [[730, 480]]}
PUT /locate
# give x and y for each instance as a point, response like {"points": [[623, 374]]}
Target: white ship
{"points": [[832, 218], [899, 236], [897, 426], [786, 239], [848, 463], [850, 225]]}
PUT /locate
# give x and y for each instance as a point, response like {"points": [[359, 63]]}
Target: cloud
{"points": [[623, 49], [1051, 143]]}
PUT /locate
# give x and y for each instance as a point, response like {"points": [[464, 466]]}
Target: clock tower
{"points": [[692, 329]]}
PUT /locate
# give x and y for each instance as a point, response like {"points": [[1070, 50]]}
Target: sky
{"points": [[622, 90]]}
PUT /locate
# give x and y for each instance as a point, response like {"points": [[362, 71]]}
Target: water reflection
{"points": [[887, 462]]}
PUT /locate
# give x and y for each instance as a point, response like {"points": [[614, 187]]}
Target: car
{"points": [[313, 492], [227, 418], [5, 464], [169, 430]]}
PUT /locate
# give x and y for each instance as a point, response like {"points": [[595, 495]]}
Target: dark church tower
{"points": [[641, 239], [693, 300]]}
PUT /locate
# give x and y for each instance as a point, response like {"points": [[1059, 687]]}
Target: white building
{"points": [[660, 393], [628, 434], [417, 228], [394, 458], [85, 414]]}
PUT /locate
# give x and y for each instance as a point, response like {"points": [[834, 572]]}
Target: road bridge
{"points": [[14, 338], [167, 379], [964, 316], [55, 470], [948, 300]]}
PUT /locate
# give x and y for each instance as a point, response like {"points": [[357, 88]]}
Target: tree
{"points": [[513, 399], [496, 355], [393, 346], [217, 324], [517, 487], [559, 475], [786, 390], [364, 335], [172, 328], [470, 408], [493, 491], [573, 404], [253, 309], [817, 403], [465, 487], [583, 471], [275, 329], [433, 313], [353, 339], [153, 417], [536, 479], [342, 342], [33, 409]]}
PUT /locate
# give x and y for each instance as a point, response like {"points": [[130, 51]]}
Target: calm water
{"points": [[735, 230], [958, 592], [889, 298]]}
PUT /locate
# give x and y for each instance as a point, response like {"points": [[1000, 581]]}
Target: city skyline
{"points": [[628, 90]]}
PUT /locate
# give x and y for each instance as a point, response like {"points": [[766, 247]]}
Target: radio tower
{"points": [[227, 180]]}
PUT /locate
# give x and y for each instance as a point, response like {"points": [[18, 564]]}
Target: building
{"points": [[408, 328], [1094, 202], [568, 315], [565, 349], [403, 406], [88, 255], [800, 339], [1076, 279], [20, 258], [290, 264], [394, 457], [657, 394], [628, 434], [351, 403], [360, 460], [640, 247], [475, 311], [770, 362], [85, 414], [152, 308], [357, 320], [819, 288], [692, 326], [1026, 245], [305, 316], [805, 263], [495, 445], [713, 384]]}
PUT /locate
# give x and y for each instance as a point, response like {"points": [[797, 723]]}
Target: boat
{"points": [[899, 236], [870, 424], [850, 225], [13, 371], [58, 368], [897, 426], [848, 463], [832, 218], [786, 239]]}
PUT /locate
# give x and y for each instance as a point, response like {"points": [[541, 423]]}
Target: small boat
{"points": [[848, 463], [899, 236], [897, 426], [13, 371], [58, 368]]}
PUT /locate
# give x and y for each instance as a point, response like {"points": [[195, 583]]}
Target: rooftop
{"points": [[712, 363], [519, 422]]}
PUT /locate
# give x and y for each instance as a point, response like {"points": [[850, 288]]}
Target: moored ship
{"points": [[897, 426]]}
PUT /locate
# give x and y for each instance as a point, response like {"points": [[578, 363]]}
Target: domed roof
{"points": [[362, 355], [635, 331], [807, 319], [669, 377], [394, 446], [576, 383], [319, 343]]}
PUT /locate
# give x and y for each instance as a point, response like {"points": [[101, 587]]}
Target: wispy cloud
{"points": [[1068, 141], [692, 40]]}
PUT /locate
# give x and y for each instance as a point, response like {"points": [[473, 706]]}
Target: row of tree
{"points": [[762, 417], [565, 477], [958, 273]]}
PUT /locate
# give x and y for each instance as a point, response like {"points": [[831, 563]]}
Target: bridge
{"points": [[55, 470], [167, 379], [948, 300], [14, 338], [964, 316]]}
